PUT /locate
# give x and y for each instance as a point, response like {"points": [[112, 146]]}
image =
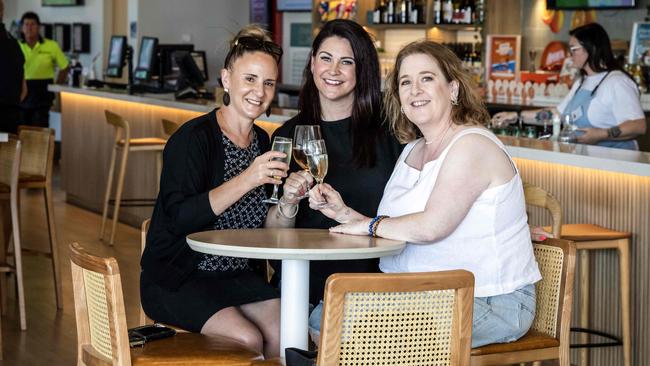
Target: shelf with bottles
{"points": [[449, 15]]}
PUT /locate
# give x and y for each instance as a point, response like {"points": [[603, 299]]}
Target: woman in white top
{"points": [[604, 101], [454, 195]]}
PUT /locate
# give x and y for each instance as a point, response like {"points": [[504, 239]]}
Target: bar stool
{"points": [[36, 173], [593, 237], [124, 142], [169, 127]]}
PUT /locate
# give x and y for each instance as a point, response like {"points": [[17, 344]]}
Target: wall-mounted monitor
{"points": [[147, 59], [62, 2], [61, 34], [168, 68], [116, 56], [590, 4], [46, 30], [190, 72], [81, 37]]}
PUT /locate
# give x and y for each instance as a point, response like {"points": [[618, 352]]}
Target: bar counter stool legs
{"points": [[594, 237], [124, 142]]}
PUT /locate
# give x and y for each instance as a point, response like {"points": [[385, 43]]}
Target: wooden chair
{"points": [[169, 127], [536, 196], [391, 318], [102, 337], [548, 337], [124, 142], [10, 154], [36, 173]]}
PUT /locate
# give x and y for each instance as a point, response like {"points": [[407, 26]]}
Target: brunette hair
{"points": [[252, 38], [594, 39], [33, 16], [470, 109], [366, 109]]}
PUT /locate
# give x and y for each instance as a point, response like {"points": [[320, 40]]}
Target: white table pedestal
{"points": [[294, 315]]}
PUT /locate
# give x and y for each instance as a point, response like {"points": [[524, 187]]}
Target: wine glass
{"points": [[317, 161], [281, 144], [302, 135]]}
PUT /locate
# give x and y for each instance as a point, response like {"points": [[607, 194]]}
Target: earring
{"points": [[268, 112], [226, 97], [401, 108], [454, 100]]}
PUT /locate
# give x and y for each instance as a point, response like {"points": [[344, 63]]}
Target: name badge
{"points": [[576, 114]]}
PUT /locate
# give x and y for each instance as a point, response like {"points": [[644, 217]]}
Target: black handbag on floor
{"points": [[138, 336], [300, 357]]}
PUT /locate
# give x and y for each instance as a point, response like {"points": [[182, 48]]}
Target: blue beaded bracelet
{"points": [[372, 223]]}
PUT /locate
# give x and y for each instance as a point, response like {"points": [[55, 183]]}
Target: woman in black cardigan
{"points": [[214, 172]]}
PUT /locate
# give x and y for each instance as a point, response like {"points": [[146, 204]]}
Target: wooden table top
{"points": [[289, 243]]}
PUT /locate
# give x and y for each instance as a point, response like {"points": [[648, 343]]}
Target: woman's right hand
{"points": [[295, 186], [503, 119], [328, 201], [264, 169]]}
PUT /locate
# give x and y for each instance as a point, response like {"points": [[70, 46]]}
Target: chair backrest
{"points": [[38, 151], [390, 318], [556, 262], [10, 156], [536, 196], [169, 127], [102, 336], [122, 128]]}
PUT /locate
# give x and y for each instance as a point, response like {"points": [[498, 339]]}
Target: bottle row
{"points": [[399, 12], [414, 12]]}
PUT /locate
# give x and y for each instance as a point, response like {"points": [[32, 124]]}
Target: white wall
{"points": [[91, 12], [208, 24]]}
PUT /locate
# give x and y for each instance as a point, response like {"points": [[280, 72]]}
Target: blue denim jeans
{"points": [[497, 319]]}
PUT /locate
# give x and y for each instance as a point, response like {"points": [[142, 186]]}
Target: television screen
{"points": [[590, 4], [62, 2], [201, 61]]}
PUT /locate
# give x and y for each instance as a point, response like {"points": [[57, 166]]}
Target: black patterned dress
{"points": [[219, 282]]}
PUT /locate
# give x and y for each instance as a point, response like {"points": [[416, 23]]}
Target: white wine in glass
{"points": [[302, 135], [281, 144], [317, 162]]}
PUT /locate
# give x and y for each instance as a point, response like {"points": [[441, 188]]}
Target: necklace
{"points": [[438, 145]]}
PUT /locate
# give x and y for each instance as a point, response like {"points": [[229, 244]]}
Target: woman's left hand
{"points": [[539, 234], [357, 227], [591, 135]]}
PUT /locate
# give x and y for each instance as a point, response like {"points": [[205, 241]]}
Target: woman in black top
{"points": [[341, 94], [213, 177]]}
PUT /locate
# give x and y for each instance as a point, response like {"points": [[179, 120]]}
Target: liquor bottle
{"points": [[437, 11], [391, 12], [403, 11], [469, 11], [384, 12], [447, 12], [376, 14], [479, 10]]}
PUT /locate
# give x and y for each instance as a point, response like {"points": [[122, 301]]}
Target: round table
{"points": [[295, 247]]}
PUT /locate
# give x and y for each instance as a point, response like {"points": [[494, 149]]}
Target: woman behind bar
{"points": [[342, 95], [604, 101], [213, 177], [455, 195]]}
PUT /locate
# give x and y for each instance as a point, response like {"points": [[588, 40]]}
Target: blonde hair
{"points": [[470, 109]]}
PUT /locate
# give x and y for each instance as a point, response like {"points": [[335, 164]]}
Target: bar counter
{"points": [[87, 140], [603, 186]]}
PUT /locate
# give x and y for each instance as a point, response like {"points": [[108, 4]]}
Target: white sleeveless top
{"points": [[493, 240]]}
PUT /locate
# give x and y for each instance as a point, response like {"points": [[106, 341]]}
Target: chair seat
{"points": [[589, 232], [195, 349], [533, 340], [144, 141]]}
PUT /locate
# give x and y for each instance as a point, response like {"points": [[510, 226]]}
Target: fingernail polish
{"points": [[543, 237]]}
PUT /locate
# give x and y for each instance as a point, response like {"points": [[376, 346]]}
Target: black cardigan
{"points": [[193, 164]]}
